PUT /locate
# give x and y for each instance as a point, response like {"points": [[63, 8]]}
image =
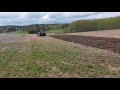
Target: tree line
{"points": [[96, 24], [34, 28]]}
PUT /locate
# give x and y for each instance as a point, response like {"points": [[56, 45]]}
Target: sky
{"points": [[27, 18]]}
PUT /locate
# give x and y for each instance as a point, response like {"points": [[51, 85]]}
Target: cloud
{"points": [[26, 18], [103, 15]]}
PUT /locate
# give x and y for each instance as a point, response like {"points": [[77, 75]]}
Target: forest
{"points": [[94, 25]]}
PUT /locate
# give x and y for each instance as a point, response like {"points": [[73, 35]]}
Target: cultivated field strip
{"points": [[98, 42]]}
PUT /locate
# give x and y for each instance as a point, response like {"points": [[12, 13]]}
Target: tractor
{"points": [[41, 33]]}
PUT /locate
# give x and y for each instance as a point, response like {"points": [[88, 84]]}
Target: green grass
{"points": [[55, 31], [54, 58], [20, 32]]}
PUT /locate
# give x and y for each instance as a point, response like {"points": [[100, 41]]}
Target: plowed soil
{"points": [[98, 42]]}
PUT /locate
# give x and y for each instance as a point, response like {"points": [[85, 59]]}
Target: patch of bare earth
{"points": [[114, 70]]}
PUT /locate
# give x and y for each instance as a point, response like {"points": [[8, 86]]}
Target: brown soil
{"points": [[98, 42]]}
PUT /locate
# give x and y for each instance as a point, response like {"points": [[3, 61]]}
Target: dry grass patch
{"points": [[101, 33]]}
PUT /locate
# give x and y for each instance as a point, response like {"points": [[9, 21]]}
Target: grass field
{"points": [[46, 57], [20, 32], [55, 31]]}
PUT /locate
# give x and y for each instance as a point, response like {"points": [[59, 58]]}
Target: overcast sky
{"points": [[26, 18]]}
